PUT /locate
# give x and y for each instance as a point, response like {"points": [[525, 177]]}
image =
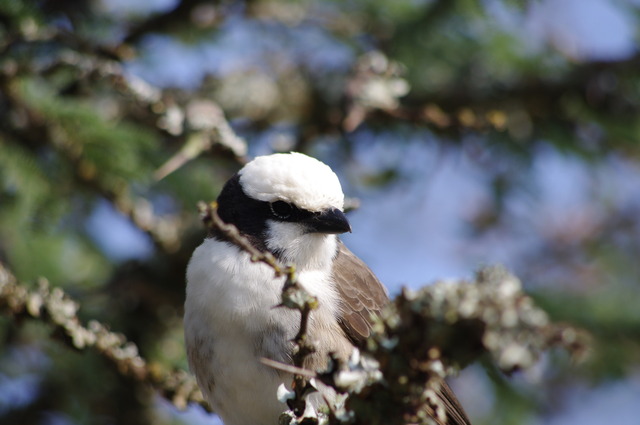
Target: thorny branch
{"points": [[294, 297], [53, 306], [211, 219]]}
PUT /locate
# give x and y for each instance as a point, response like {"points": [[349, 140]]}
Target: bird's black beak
{"points": [[330, 221]]}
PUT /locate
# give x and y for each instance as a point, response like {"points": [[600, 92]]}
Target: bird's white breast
{"points": [[230, 322]]}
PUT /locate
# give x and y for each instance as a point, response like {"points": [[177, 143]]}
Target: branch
{"points": [[424, 336], [538, 100], [212, 221], [54, 307]]}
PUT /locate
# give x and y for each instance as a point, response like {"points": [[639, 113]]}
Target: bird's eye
{"points": [[281, 209]]}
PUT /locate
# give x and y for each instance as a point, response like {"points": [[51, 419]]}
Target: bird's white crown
{"points": [[292, 177]]}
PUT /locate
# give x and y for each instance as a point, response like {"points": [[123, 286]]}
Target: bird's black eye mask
{"points": [[250, 215], [284, 211]]}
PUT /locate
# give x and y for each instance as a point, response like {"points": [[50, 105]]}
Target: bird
{"points": [[291, 205]]}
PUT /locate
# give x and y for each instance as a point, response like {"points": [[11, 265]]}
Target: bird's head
{"points": [[290, 204]]}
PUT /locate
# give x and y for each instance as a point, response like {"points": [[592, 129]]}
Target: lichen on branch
{"points": [[425, 335], [55, 308]]}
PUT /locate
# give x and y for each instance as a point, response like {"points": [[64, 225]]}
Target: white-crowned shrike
{"points": [[290, 205]]}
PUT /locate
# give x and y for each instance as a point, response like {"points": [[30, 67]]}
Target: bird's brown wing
{"points": [[363, 296], [361, 292]]}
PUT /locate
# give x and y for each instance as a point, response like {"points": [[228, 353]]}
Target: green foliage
{"points": [[118, 150], [611, 316], [31, 233]]}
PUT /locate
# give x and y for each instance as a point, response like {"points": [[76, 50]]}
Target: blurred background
{"points": [[470, 132]]}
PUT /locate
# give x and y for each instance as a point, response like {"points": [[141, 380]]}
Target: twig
{"points": [[294, 296], [284, 367], [211, 219]]}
